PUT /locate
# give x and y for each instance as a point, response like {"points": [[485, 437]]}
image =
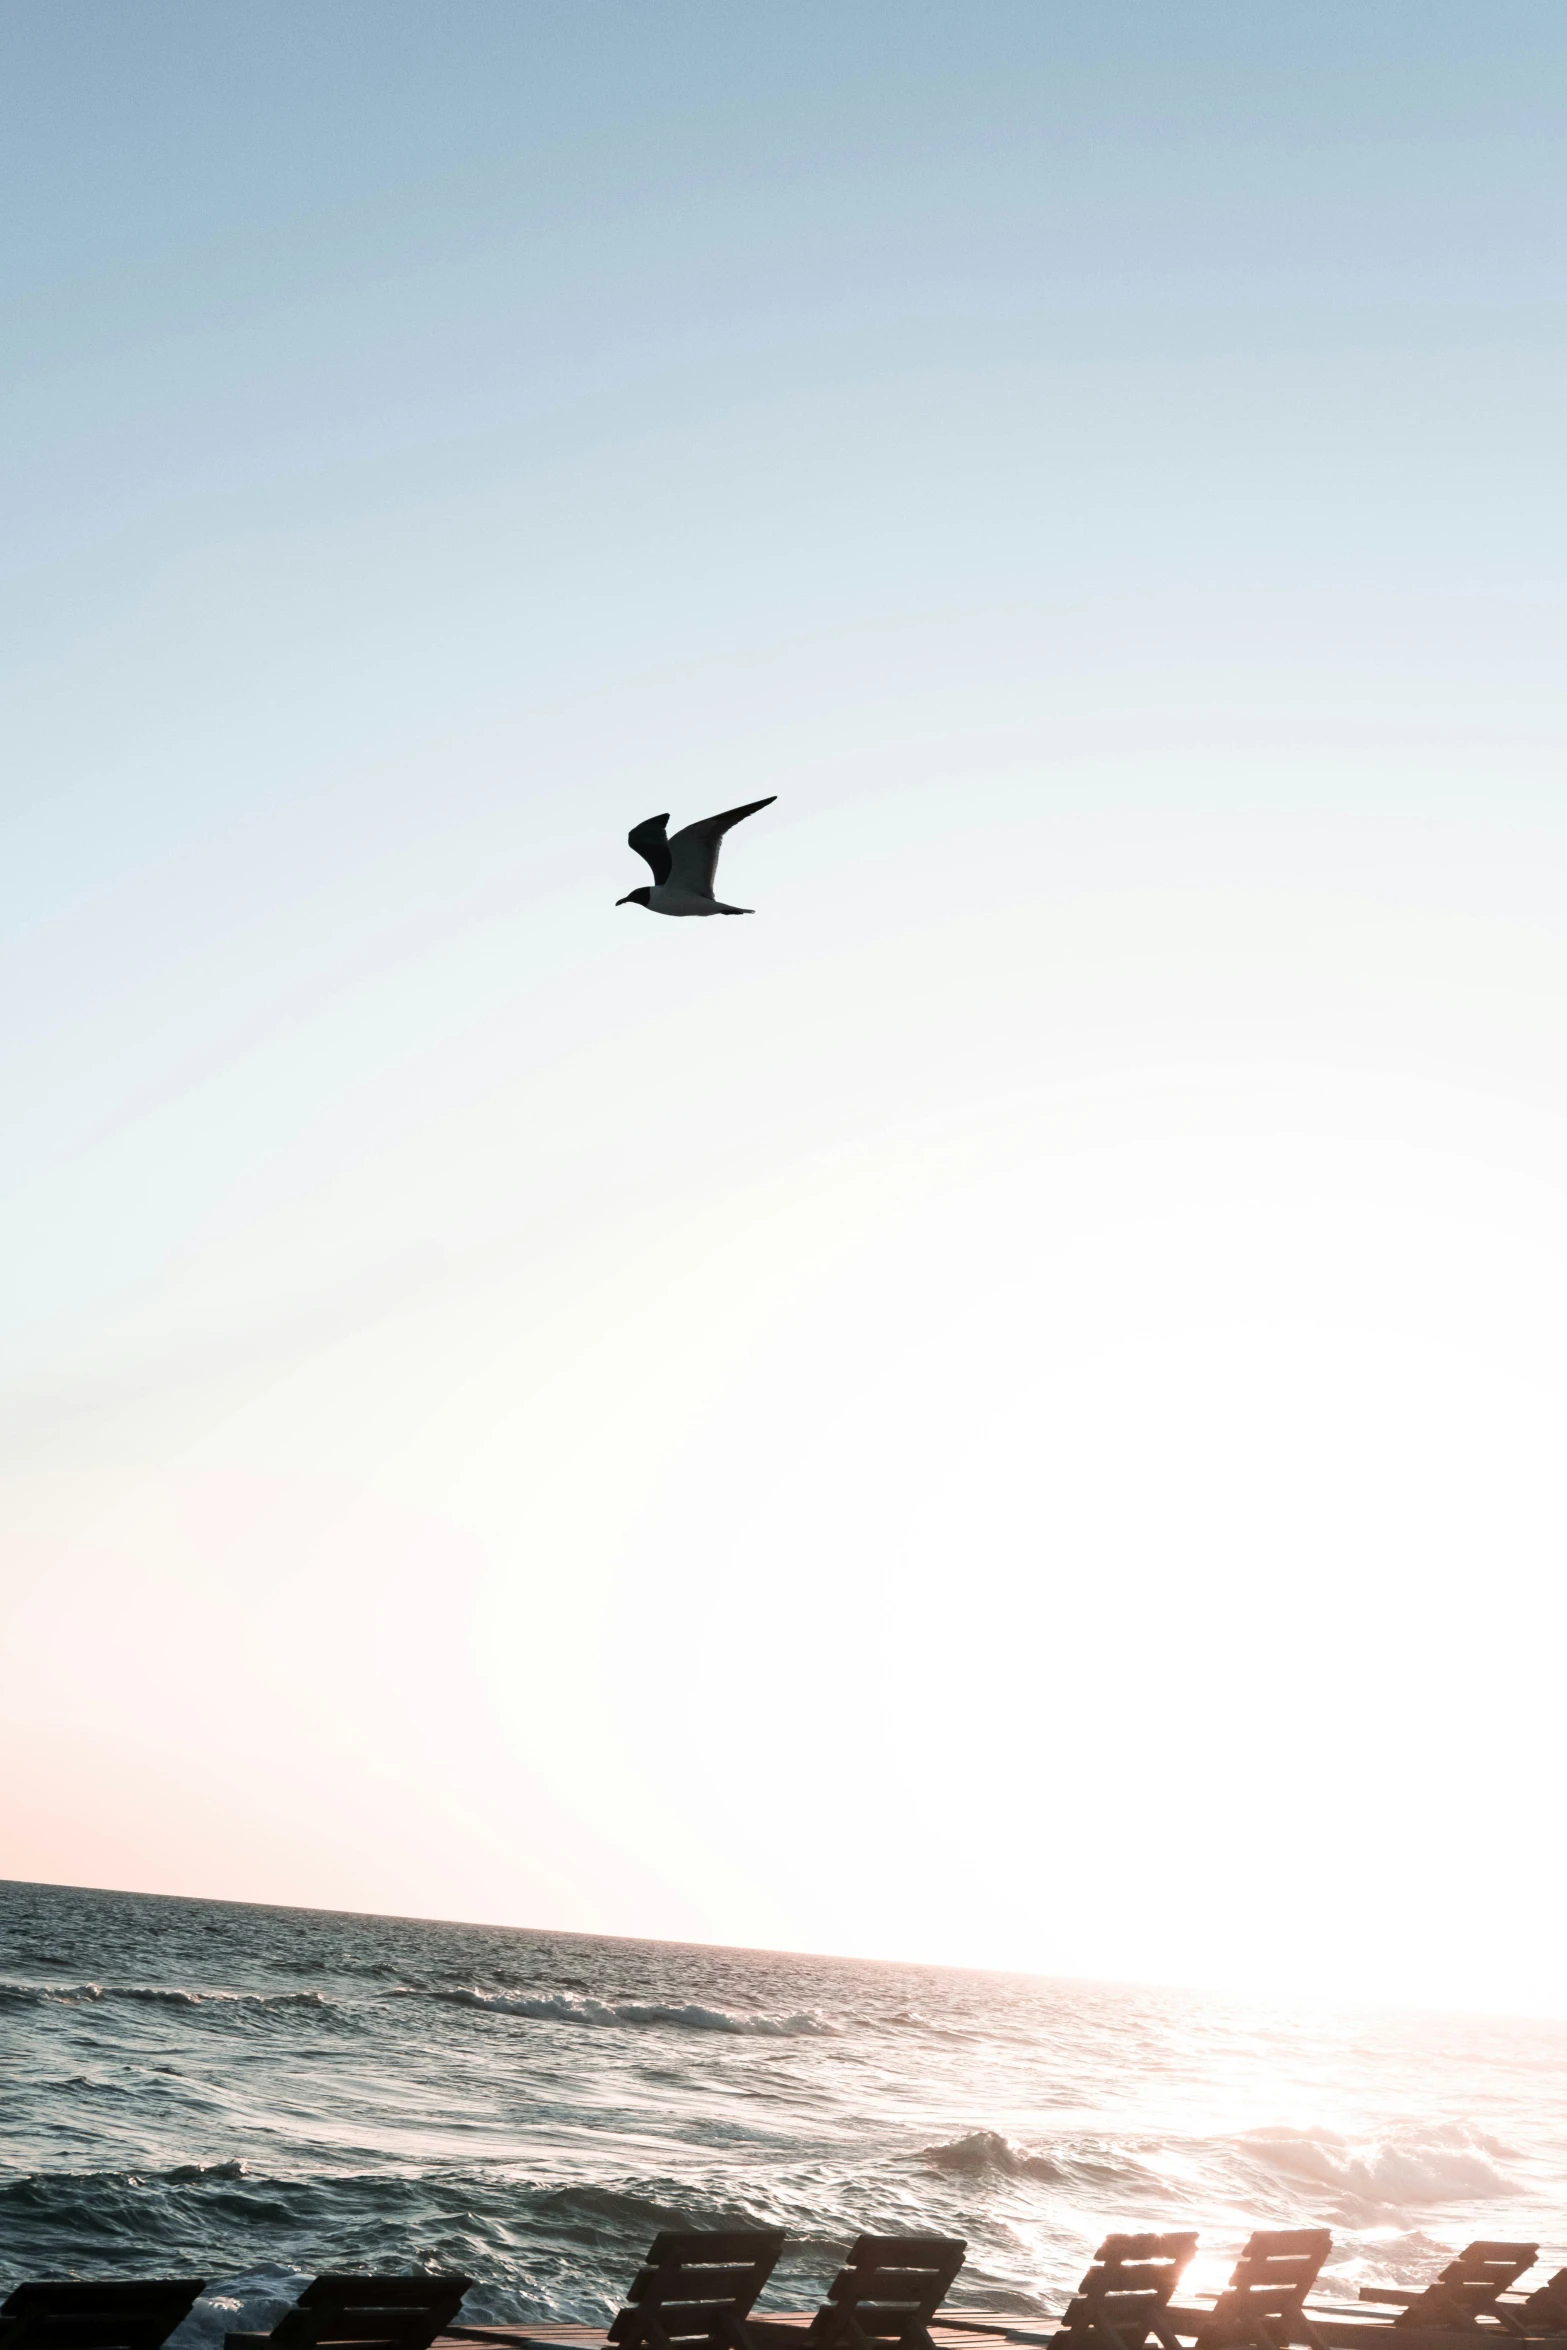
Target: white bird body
{"points": [[683, 868]]}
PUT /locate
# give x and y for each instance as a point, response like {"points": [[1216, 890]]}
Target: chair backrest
{"points": [[116, 2314], [888, 2290], [1123, 2297], [697, 2288], [1468, 2285], [1262, 2302], [390, 2313], [1545, 2311]]}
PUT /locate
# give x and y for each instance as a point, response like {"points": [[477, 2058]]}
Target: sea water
{"points": [[247, 2094]]}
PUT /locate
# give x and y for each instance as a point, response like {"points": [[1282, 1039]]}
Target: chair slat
{"points": [[718, 2248], [337, 2291], [907, 2252], [75, 2294], [689, 2280]]}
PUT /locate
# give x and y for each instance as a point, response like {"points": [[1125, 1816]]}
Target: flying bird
{"points": [[683, 868]]}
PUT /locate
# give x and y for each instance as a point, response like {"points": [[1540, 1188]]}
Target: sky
{"points": [[1009, 1409]]}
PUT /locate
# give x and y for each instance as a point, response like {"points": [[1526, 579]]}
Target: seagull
{"points": [[683, 868]]}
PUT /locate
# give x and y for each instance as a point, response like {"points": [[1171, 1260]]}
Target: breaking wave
{"points": [[1399, 2173], [982, 2151], [152, 1995], [572, 2007]]}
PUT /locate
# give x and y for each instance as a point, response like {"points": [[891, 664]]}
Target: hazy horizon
{"points": [[1221, 1991]]}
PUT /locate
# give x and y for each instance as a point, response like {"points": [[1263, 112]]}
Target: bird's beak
{"points": [[623, 901]]}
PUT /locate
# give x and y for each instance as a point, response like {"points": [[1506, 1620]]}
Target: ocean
{"points": [[255, 2094]]}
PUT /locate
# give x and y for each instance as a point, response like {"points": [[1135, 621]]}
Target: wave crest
{"points": [[1415, 2171], [980, 2151], [152, 1995], [572, 2007]]}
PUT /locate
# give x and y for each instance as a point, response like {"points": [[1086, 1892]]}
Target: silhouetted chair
{"points": [[1545, 2309], [1125, 2295], [886, 2293], [372, 2313], [1261, 2307], [118, 2314], [697, 2288], [1468, 2289]]}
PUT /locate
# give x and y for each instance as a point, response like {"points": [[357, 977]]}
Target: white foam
{"points": [[1403, 2173], [571, 2007], [152, 1995]]}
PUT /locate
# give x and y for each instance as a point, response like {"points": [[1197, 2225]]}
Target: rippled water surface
{"points": [[253, 2094]]}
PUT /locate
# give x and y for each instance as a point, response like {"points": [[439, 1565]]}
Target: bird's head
{"points": [[638, 897]]}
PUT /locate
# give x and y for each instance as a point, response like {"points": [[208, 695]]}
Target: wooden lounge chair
{"points": [[1545, 2309], [373, 2313], [1126, 2293], [690, 2289], [1261, 2307], [886, 2293], [697, 2288], [1467, 2292], [118, 2314]]}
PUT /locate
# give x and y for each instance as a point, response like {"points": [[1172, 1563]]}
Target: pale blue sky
{"points": [[1100, 467]]}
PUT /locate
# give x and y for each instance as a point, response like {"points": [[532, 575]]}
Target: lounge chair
{"points": [[1545, 2309], [690, 2289], [117, 2314], [1261, 2307], [697, 2288], [373, 2313], [886, 2293], [1468, 2289], [1125, 2295]]}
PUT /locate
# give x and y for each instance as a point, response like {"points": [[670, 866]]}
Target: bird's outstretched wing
{"points": [[648, 839], [694, 850]]}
